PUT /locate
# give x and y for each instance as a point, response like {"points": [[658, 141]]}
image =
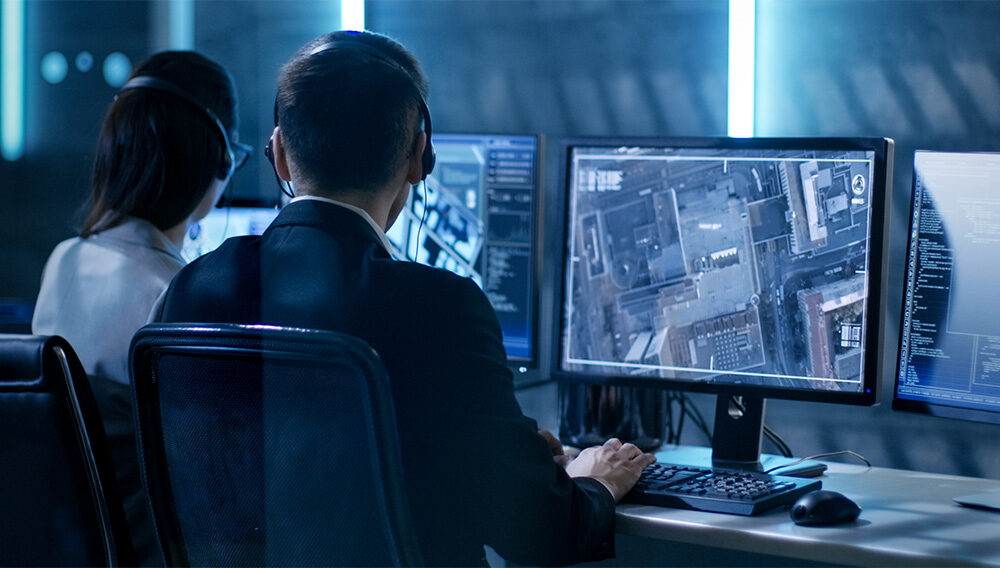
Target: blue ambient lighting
{"points": [[12, 78], [116, 69], [742, 32], [84, 61], [54, 67], [182, 25], [352, 15]]}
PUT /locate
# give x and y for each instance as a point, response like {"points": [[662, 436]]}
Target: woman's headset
{"points": [[232, 162], [428, 158]]}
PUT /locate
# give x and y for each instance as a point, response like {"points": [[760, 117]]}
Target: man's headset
{"points": [[236, 153], [428, 158]]}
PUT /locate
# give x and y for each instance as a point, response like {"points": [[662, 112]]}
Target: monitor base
{"points": [[989, 501], [696, 456]]}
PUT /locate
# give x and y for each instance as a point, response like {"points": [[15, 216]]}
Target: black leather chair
{"points": [[269, 446], [58, 502]]}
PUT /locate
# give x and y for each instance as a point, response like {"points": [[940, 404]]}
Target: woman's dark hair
{"points": [[157, 153]]}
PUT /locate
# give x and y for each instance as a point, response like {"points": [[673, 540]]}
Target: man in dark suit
{"points": [[349, 140]]}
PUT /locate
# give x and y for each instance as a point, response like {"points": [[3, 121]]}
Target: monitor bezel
{"points": [[532, 363], [936, 409], [882, 149]]}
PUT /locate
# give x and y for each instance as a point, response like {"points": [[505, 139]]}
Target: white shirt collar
{"points": [[364, 215]]}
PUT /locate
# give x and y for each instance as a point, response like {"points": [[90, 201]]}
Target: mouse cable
{"points": [[775, 438], [823, 455], [778, 441]]}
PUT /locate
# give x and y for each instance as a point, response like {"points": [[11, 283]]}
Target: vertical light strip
{"points": [[742, 36], [182, 25], [352, 15], [12, 78]]}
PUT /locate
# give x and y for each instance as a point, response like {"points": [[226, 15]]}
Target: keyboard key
{"points": [[716, 490]]}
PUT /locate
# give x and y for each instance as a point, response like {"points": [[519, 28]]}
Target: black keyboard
{"points": [[716, 490]]}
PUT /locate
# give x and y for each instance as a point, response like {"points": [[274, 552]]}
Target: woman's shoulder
{"points": [[60, 251]]}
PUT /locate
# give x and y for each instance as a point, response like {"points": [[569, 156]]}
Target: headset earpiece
{"points": [[429, 157], [226, 166]]}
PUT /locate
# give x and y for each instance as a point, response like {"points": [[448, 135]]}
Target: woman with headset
{"points": [[166, 152]]}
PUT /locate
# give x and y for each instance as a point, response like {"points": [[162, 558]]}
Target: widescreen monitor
{"points": [[475, 216], [223, 222], [749, 268], [949, 348]]}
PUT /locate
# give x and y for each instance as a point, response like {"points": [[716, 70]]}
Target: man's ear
{"points": [[415, 169], [280, 155]]}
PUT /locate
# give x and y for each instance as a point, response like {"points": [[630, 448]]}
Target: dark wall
{"points": [[252, 40], [43, 190]]}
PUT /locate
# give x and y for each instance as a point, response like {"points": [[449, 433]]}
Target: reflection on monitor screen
{"points": [[475, 217], [731, 266], [949, 356], [220, 224]]}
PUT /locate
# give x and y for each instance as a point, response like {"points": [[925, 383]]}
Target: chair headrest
{"points": [[24, 359]]}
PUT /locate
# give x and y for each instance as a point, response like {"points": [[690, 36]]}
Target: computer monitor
{"points": [[749, 268], [479, 221], [223, 222], [949, 347]]}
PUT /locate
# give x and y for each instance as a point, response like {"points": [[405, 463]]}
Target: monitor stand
{"points": [[736, 442]]}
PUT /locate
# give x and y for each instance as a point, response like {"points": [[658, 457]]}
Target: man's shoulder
{"points": [[430, 281], [229, 271], [234, 251], [421, 271]]}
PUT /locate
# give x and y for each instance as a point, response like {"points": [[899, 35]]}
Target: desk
{"points": [[907, 519]]}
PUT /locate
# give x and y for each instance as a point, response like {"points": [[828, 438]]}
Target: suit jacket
{"points": [[477, 472]]}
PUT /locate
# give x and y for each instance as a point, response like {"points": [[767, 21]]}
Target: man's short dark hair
{"points": [[347, 117]]}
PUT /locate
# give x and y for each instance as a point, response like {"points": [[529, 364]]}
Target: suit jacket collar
{"points": [[330, 218]]}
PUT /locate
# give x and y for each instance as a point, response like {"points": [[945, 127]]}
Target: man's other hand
{"points": [[558, 452], [614, 464]]}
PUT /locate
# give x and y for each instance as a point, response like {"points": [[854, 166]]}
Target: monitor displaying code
{"points": [[950, 334]]}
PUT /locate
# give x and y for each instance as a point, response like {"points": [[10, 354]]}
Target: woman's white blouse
{"points": [[96, 292]]}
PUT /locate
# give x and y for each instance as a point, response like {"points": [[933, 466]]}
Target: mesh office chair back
{"points": [[269, 446], [58, 501]]}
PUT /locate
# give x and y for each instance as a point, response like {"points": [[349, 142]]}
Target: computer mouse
{"points": [[822, 507]]}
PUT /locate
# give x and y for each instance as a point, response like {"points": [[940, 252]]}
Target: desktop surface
{"points": [[908, 518]]}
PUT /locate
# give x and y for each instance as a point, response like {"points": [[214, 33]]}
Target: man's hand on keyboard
{"points": [[614, 464]]}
